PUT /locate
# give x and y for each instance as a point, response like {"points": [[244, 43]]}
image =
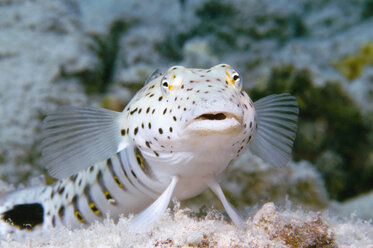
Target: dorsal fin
{"points": [[277, 119], [75, 138], [156, 73]]}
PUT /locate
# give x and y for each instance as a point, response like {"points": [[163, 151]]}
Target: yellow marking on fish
{"points": [[109, 197], [229, 79], [116, 179], [79, 216], [140, 161], [94, 208]]}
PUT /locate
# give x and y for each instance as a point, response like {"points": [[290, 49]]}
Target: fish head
{"points": [[192, 110]]}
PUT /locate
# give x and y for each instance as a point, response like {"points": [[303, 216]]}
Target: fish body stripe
{"points": [[116, 173]]}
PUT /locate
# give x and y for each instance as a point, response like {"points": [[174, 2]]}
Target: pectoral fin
{"points": [[277, 119], [75, 138]]}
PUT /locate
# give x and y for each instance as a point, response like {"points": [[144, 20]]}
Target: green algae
{"points": [[351, 66], [106, 49], [333, 134]]}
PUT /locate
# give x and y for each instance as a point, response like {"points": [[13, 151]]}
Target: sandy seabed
{"points": [[269, 227]]}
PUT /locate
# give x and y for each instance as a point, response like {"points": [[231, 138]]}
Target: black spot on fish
{"points": [[61, 190], [135, 130], [160, 130], [160, 98], [79, 216], [94, 208], [133, 111], [91, 204], [108, 196], [147, 110], [133, 173], [139, 159], [25, 216], [123, 132]]}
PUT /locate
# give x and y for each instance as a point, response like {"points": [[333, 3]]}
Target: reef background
{"points": [[98, 53]]}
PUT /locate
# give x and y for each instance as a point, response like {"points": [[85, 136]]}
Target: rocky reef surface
{"points": [[99, 53]]}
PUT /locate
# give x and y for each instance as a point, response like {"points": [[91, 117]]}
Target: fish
{"points": [[174, 139]]}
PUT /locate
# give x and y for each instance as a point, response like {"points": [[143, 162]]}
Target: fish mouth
{"points": [[212, 116], [215, 122]]}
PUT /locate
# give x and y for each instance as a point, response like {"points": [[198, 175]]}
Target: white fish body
{"points": [[174, 139]]}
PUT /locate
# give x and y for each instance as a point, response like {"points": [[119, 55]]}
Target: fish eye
{"points": [[234, 78], [165, 85], [237, 80]]}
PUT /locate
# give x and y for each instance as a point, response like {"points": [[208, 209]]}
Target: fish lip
{"points": [[215, 120]]}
